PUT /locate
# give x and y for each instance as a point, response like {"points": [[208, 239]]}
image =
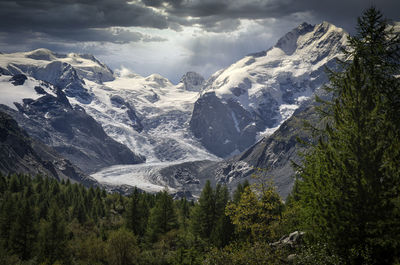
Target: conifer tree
{"points": [[162, 217], [223, 228], [350, 181], [136, 217], [255, 212], [52, 237], [203, 215], [184, 213], [208, 217], [7, 216], [239, 191], [22, 234], [3, 184]]}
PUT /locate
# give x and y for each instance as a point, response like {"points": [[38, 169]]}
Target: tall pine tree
{"points": [[162, 217], [350, 180]]}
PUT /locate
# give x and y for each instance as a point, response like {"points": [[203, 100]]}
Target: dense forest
{"points": [[43, 221], [345, 202]]}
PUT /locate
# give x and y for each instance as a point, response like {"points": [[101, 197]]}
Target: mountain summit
{"points": [[259, 92]]}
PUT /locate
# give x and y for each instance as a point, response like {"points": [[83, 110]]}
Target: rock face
{"points": [[266, 87], [274, 153], [292, 240], [18, 80], [21, 154], [132, 119], [50, 118], [191, 81], [228, 131]]}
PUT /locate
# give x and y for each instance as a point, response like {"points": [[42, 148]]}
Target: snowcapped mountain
{"points": [[45, 112], [44, 64], [149, 115], [98, 118], [254, 96]]}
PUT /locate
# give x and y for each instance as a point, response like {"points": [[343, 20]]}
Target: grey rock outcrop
{"points": [[134, 120], [18, 80], [222, 128], [192, 81], [24, 155], [292, 240], [274, 153]]}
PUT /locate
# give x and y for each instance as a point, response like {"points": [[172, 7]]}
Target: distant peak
{"points": [[87, 56], [192, 75], [41, 54], [192, 81], [155, 77], [40, 50], [158, 79], [304, 25], [325, 26]]}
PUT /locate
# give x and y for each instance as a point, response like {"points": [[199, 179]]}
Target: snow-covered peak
{"points": [[29, 63], [272, 84], [288, 43], [306, 35], [157, 81], [125, 73], [191, 81], [41, 54]]}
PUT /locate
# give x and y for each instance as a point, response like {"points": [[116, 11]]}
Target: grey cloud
{"points": [[158, 3], [223, 49], [93, 26], [59, 15], [67, 17], [208, 13], [35, 41], [114, 35]]}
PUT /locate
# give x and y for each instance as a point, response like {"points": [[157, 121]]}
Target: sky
{"points": [[169, 37]]}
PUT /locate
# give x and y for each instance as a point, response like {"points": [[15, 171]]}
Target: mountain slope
{"points": [[46, 114], [149, 115], [259, 92], [274, 153], [21, 154], [161, 109]]}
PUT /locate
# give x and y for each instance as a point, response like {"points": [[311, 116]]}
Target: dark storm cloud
{"points": [[68, 17], [208, 13], [56, 17], [116, 35], [102, 27]]}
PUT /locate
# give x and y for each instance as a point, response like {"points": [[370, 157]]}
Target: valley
{"points": [[143, 129]]}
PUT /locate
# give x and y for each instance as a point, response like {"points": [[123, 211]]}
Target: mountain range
{"points": [[120, 128]]}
